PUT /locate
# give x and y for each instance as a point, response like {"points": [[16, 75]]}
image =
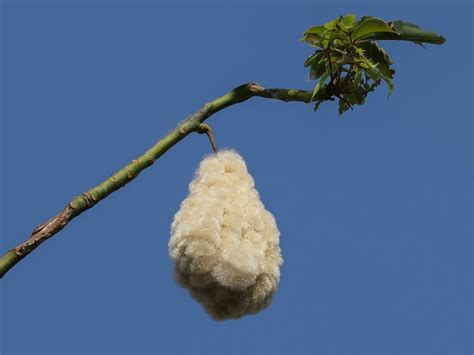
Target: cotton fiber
{"points": [[224, 243]]}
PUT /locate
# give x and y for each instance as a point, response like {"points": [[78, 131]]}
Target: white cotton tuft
{"points": [[224, 243]]}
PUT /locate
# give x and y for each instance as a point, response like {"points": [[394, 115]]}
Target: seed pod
{"points": [[224, 243]]}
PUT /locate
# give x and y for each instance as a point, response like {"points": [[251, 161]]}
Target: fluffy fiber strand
{"points": [[224, 243]]}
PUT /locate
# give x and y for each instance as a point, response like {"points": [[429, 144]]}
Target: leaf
{"points": [[317, 69], [398, 25], [358, 96], [352, 57], [348, 20], [377, 55], [373, 73], [316, 30], [389, 82], [314, 36], [318, 85], [404, 31], [357, 79], [316, 106], [343, 106], [370, 26], [331, 24], [313, 58], [338, 61]]}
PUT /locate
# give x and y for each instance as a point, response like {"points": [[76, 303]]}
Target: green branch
{"points": [[122, 177]]}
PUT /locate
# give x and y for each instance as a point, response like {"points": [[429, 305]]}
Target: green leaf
{"points": [[318, 85], [316, 30], [370, 26], [343, 106], [389, 82], [338, 61], [331, 24], [317, 69], [404, 31], [313, 58], [373, 73], [357, 79], [316, 106], [398, 25], [314, 40], [377, 55], [358, 96], [353, 59], [348, 20]]}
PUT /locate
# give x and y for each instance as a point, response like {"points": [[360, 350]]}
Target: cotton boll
{"points": [[224, 243], [221, 303]]}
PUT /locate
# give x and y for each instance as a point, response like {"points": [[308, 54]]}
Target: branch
{"points": [[122, 177], [205, 129]]}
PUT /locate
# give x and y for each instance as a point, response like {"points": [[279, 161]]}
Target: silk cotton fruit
{"points": [[224, 243]]}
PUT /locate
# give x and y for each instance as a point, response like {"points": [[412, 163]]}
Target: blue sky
{"points": [[374, 208]]}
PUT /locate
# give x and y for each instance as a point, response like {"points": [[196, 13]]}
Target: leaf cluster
{"points": [[347, 62]]}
